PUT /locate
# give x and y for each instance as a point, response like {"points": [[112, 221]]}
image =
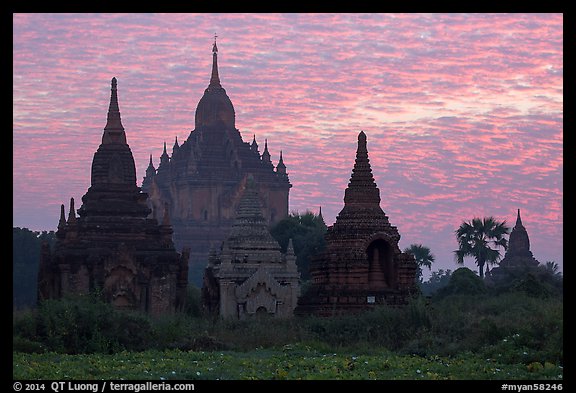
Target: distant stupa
{"points": [[518, 258]]}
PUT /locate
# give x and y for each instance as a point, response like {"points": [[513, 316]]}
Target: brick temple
{"points": [[201, 181], [112, 246], [249, 276], [362, 265], [518, 258]]}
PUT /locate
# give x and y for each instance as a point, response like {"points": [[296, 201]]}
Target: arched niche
{"points": [[381, 269]]}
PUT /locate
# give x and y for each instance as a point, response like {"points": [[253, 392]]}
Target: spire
{"points": [[150, 171], [215, 79], [62, 222], [362, 188], [518, 242], [175, 147], [519, 220], [114, 131], [281, 168], [265, 154], [164, 158], [72, 213], [254, 145]]}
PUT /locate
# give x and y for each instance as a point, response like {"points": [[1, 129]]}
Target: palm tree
{"points": [[423, 257], [553, 268], [475, 239]]}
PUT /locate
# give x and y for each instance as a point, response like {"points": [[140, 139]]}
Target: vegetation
{"points": [[423, 256], [475, 239], [290, 362], [307, 233], [474, 333], [25, 262]]}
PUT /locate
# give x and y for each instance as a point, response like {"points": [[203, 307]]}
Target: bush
{"points": [[463, 282], [83, 324]]}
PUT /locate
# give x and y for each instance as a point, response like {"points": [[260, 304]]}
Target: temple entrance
{"points": [[381, 271]]}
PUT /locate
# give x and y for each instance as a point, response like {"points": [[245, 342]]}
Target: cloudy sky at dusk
{"points": [[463, 112]]}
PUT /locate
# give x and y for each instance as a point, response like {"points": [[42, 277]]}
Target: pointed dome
{"points": [[519, 242], [249, 234], [362, 197], [215, 107], [113, 162], [362, 187]]}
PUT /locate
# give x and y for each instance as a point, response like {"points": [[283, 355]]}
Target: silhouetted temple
{"points": [[250, 276], [362, 265], [518, 258], [112, 246], [201, 181]]}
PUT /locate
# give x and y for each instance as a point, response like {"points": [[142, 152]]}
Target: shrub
{"points": [[83, 324], [463, 282]]}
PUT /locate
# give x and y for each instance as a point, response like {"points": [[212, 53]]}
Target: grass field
{"points": [[288, 363]]}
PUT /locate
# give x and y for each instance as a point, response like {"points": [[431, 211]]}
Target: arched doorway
{"points": [[381, 270]]}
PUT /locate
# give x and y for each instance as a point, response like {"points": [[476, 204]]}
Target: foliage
{"points": [[437, 280], [423, 256], [291, 362], [475, 239], [193, 306], [25, 262], [307, 233], [463, 282], [82, 324], [475, 334]]}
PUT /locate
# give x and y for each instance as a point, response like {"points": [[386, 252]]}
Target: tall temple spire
{"points": [[114, 131], [215, 79], [362, 188]]}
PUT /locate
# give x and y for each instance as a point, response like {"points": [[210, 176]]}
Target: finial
{"points": [[215, 79], [114, 131], [281, 160], [150, 164], [518, 219]]}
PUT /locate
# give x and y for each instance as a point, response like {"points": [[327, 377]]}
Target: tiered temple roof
{"points": [[362, 264], [112, 245]]}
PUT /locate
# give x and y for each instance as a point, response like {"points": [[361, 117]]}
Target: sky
{"points": [[463, 112]]}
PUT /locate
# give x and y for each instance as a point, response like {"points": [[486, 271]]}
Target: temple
{"points": [[201, 181], [112, 246], [250, 276], [362, 265], [518, 258]]}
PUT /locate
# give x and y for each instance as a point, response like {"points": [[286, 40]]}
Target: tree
{"points": [[553, 268], [463, 282], [436, 281], [423, 256], [307, 233], [476, 237], [25, 262]]}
